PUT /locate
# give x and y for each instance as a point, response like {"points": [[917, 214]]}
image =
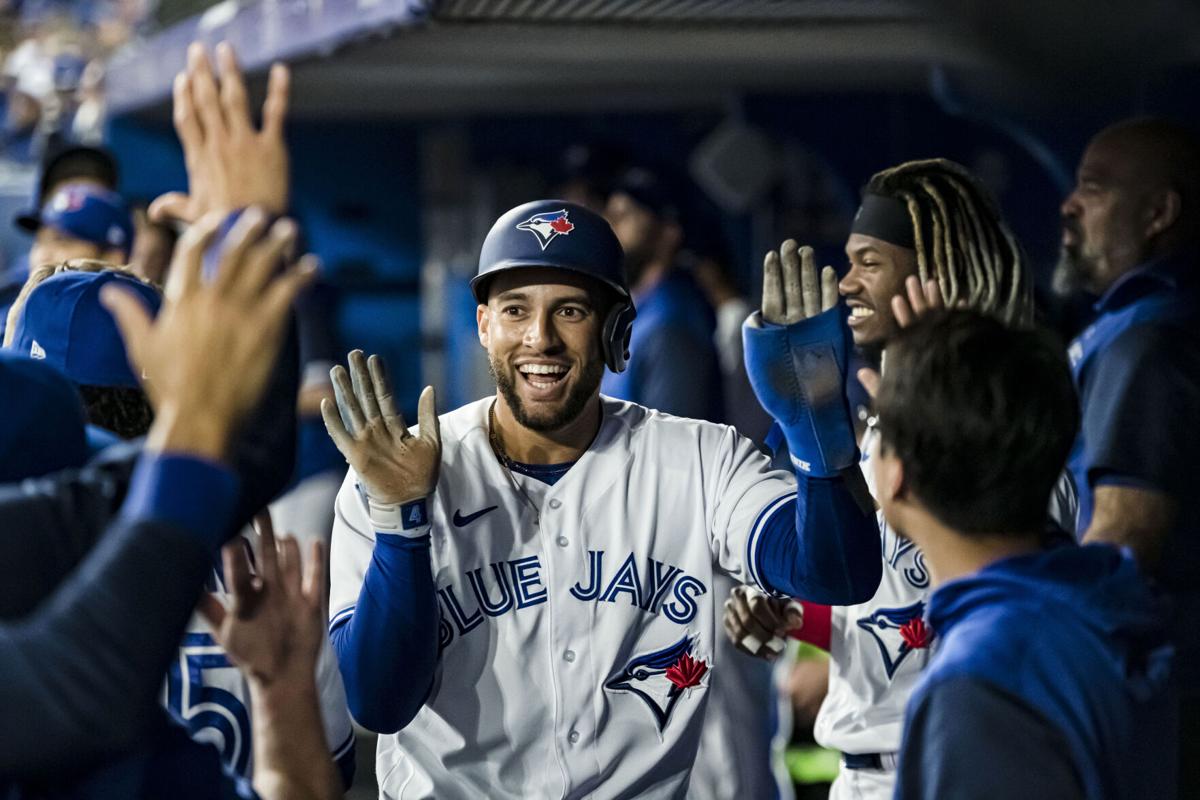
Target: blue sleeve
{"points": [[1138, 393], [967, 740], [387, 643], [82, 675], [192, 494], [823, 547]]}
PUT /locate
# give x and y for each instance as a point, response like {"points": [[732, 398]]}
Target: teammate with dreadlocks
{"points": [[927, 235]]}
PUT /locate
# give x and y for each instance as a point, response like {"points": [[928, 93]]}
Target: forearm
{"points": [[826, 550], [291, 759], [83, 674], [387, 645], [1137, 518]]}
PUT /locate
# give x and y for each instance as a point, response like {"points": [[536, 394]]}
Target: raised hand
{"points": [[791, 292], [756, 623], [918, 300], [276, 620], [230, 164], [393, 465], [205, 358]]}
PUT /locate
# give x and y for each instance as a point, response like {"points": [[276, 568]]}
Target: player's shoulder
{"points": [[639, 419]]}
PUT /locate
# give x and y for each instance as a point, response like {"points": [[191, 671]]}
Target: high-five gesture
{"points": [[918, 300], [394, 466], [791, 292], [230, 164], [274, 624], [205, 358]]}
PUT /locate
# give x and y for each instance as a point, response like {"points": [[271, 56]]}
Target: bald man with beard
{"points": [[1130, 231]]}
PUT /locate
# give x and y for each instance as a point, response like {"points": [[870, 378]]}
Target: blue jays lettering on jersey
{"points": [[510, 586]]}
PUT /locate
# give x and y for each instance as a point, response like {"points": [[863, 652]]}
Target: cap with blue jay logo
{"points": [[87, 212], [41, 420], [64, 323], [555, 234]]}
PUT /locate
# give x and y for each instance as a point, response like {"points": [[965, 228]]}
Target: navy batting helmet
{"points": [[562, 235]]}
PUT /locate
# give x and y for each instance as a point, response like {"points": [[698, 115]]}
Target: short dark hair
{"points": [[123, 410], [982, 416]]}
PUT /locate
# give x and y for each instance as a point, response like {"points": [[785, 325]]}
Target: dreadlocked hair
{"points": [[124, 410], [961, 239]]}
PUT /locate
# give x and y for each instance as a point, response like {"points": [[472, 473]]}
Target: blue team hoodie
{"points": [[1075, 634]]}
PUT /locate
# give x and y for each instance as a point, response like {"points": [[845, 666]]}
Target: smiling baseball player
{"points": [[522, 590], [927, 234]]}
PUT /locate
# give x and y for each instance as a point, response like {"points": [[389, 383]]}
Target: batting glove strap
{"points": [[410, 520], [798, 373]]}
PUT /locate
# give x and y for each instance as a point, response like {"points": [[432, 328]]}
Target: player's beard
{"points": [[1072, 273], [567, 412], [1075, 271]]}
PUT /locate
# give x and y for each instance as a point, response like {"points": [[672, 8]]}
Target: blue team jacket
{"points": [[1162, 293], [1075, 634]]}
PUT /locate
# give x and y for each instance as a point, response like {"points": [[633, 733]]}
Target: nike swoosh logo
{"points": [[460, 520]]}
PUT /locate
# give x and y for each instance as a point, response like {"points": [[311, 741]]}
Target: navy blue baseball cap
{"points": [[555, 234], [64, 324], [41, 420], [87, 212]]}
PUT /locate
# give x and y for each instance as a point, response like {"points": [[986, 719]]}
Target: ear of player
{"points": [[796, 351], [397, 470]]}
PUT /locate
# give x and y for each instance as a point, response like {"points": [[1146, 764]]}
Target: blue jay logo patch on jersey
{"points": [[885, 625], [548, 226], [660, 678]]}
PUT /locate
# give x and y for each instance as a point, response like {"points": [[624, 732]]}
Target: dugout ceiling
{"points": [[397, 58]]}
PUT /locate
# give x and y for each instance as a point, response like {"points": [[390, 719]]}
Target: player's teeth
{"points": [[543, 369], [859, 311]]}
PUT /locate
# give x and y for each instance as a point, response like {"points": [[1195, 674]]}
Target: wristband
{"points": [[798, 373], [410, 520]]}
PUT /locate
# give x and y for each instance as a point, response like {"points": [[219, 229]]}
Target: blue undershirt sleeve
{"points": [[387, 648], [824, 548]]}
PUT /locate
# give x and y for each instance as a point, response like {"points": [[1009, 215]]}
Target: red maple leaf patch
{"points": [[916, 634], [686, 672], [562, 225]]}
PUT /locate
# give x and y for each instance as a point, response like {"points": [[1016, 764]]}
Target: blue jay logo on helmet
{"points": [[548, 226]]}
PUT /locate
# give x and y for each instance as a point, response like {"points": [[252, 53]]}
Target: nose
{"points": [[1070, 205], [851, 283], [540, 333]]}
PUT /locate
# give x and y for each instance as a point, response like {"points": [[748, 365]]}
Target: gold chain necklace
{"points": [[507, 462]]}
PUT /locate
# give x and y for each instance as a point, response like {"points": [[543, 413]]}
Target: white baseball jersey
{"points": [[874, 664], [577, 620], [212, 698]]}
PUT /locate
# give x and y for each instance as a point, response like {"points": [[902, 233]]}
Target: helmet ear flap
{"points": [[618, 329]]}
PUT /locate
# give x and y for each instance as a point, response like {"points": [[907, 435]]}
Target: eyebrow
{"points": [[866, 248], [584, 297]]}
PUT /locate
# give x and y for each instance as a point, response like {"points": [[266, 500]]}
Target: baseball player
{"points": [[927, 234], [522, 589]]}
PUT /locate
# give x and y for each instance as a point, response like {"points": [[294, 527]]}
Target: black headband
{"points": [[884, 218]]}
